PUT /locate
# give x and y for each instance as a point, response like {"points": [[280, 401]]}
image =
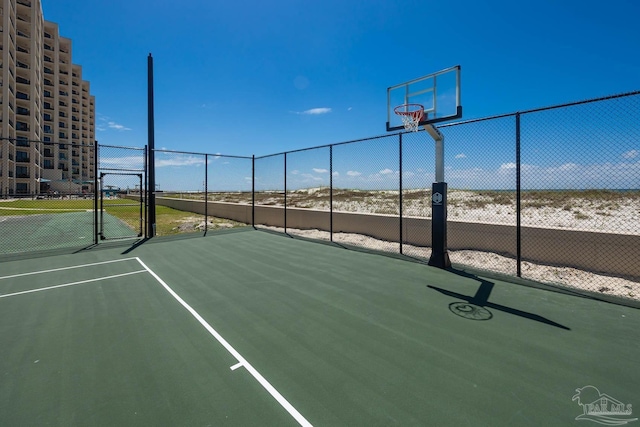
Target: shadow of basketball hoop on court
{"points": [[476, 307], [470, 311]]}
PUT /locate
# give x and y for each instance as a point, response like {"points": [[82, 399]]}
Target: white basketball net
{"points": [[410, 119]]}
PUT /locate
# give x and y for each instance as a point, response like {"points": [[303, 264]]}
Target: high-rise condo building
{"points": [[47, 114]]}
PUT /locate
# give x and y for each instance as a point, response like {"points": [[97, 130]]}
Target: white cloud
{"points": [[180, 161], [353, 173], [126, 162], [461, 156], [568, 167], [631, 154], [336, 174], [386, 171], [295, 172], [310, 177], [508, 167], [318, 170], [314, 111], [116, 126]]}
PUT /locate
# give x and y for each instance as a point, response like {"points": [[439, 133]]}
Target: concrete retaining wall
{"points": [[615, 254]]}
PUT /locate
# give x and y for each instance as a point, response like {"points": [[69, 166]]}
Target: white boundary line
{"points": [[65, 268], [241, 360], [71, 284]]}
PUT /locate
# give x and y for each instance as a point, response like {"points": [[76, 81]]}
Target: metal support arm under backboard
{"points": [[438, 137]]}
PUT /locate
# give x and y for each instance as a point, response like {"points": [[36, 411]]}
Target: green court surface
{"points": [[250, 328], [54, 231]]}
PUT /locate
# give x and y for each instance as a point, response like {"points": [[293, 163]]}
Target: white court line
{"points": [[71, 284], [236, 366], [65, 268], [241, 360]]}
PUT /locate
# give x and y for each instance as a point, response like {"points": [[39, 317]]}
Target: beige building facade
{"points": [[47, 114]]}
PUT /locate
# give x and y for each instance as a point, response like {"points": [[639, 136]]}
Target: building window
{"points": [[22, 156], [22, 172], [22, 188]]}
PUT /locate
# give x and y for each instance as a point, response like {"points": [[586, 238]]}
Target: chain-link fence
{"points": [[184, 181], [47, 195], [550, 194]]}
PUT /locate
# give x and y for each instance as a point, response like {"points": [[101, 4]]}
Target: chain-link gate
{"points": [[121, 193], [121, 212]]}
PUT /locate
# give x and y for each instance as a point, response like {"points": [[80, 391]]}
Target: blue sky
{"points": [[246, 78]]}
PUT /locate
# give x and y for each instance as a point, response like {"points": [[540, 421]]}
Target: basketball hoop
{"points": [[411, 115]]}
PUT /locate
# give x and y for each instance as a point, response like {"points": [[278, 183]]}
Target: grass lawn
{"points": [[168, 220]]}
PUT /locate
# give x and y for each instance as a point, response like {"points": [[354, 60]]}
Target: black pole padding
{"points": [[439, 254]]}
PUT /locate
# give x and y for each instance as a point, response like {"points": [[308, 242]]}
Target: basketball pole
{"points": [[439, 253]]}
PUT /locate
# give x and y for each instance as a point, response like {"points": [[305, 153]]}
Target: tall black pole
{"points": [[151, 221]]}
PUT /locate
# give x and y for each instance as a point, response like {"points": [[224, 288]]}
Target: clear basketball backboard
{"points": [[437, 93]]}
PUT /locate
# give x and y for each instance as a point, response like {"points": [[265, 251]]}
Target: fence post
{"points": [[331, 193], [206, 192], [95, 193], [518, 200], [253, 191], [143, 192], [400, 185], [285, 193]]}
